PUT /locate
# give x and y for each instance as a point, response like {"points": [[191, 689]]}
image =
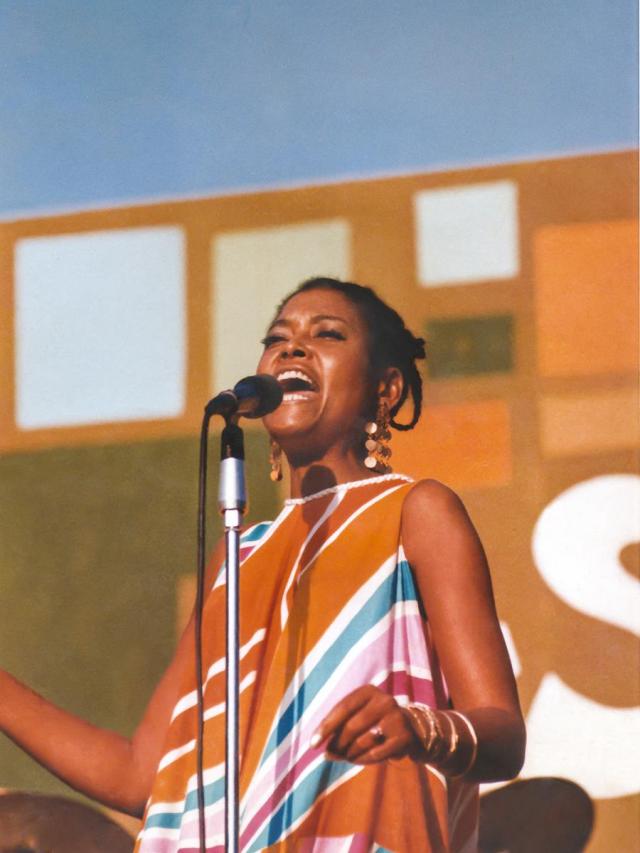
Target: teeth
{"points": [[293, 374], [292, 395]]}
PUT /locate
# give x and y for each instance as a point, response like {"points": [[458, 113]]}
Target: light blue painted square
{"points": [[467, 233], [100, 327]]}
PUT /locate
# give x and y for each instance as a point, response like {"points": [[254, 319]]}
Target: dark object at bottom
{"points": [[34, 823], [543, 815]]}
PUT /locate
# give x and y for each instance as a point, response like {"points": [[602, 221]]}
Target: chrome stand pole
{"points": [[232, 502]]}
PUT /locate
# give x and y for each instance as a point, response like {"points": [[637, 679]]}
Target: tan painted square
{"points": [[589, 423], [252, 271], [586, 279], [466, 445]]}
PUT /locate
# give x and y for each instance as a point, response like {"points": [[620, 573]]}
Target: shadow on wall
{"points": [[534, 815]]}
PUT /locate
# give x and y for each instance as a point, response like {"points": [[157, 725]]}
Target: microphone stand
{"points": [[232, 503], [253, 397]]}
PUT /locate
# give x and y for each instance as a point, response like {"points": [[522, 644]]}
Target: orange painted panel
{"points": [[586, 279], [589, 423], [466, 445]]}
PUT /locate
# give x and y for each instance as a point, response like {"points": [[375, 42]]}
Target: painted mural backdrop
{"points": [[117, 325]]}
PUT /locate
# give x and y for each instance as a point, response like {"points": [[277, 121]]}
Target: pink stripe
{"points": [[219, 848], [360, 844], [400, 683], [403, 632], [362, 671], [396, 682], [157, 845]]}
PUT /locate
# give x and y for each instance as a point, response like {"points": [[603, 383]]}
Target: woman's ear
{"points": [[390, 386]]}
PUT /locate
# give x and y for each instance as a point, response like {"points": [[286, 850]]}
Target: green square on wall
{"points": [[469, 346]]}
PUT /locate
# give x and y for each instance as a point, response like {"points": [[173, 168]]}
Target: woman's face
{"points": [[317, 349]]}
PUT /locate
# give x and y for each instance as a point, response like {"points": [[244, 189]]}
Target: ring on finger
{"points": [[378, 735]]}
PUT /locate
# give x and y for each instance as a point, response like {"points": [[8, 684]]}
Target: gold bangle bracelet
{"points": [[438, 726], [421, 713], [454, 737], [417, 723], [474, 744], [418, 716]]}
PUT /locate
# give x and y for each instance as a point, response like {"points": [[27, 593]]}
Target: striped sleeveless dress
{"points": [[328, 603]]}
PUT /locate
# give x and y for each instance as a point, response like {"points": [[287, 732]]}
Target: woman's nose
{"points": [[293, 349]]}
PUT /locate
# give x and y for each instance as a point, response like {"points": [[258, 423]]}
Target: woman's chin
{"points": [[289, 420]]}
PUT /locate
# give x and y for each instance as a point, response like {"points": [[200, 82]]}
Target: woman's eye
{"points": [[331, 333], [270, 340]]}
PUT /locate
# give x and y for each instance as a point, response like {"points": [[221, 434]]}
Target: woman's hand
{"points": [[365, 727]]}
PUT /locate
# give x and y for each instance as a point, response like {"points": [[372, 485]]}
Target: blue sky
{"points": [[107, 101]]}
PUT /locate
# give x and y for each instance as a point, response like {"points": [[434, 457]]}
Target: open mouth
{"points": [[295, 384]]}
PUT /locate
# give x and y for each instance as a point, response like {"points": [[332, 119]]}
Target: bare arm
{"points": [[102, 764], [451, 572], [453, 578]]}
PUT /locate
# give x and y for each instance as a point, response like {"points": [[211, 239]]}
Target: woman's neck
{"points": [[331, 470]]}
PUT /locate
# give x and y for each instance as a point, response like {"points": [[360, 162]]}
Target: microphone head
{"points": [[260, 394]]}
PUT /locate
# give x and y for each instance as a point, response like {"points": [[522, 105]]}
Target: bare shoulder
{"points": [[431, 500], [437, 531]]}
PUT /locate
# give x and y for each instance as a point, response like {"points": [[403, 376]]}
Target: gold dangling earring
{"points": [[377, 441], [275, 460]]}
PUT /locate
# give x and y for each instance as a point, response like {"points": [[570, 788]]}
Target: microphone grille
{"points": [[264, 389]]}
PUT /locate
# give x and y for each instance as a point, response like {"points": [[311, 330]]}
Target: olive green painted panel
{"points": [[92, 541], [469, 346]]}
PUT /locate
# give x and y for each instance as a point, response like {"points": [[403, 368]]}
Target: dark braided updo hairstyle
{"points": [[390, 343]]}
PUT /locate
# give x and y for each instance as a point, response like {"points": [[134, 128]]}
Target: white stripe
{"points": [[191, 699], [335, 502], [158, 832], [325, 793], [365, 641], [349, 774], [175, 754], [216, 710], [275, 524], [191, 817], [211, 774], [351, 518], [344, 617], [355, 603], [209, 714], [397, 666]]}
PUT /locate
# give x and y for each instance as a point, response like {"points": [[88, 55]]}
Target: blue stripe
{"points": [[299, 801], [255, 532], [213, 792], [399, 586]]}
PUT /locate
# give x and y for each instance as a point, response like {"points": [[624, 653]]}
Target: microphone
{"points": [[252, 397]]}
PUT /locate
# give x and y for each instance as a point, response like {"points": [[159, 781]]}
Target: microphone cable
{"points": [[202, 503]]}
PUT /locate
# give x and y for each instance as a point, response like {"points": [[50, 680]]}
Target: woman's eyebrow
{"points": [[319, 317]]}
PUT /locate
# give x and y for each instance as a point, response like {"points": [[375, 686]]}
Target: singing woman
{"points": [[376, 690]]}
